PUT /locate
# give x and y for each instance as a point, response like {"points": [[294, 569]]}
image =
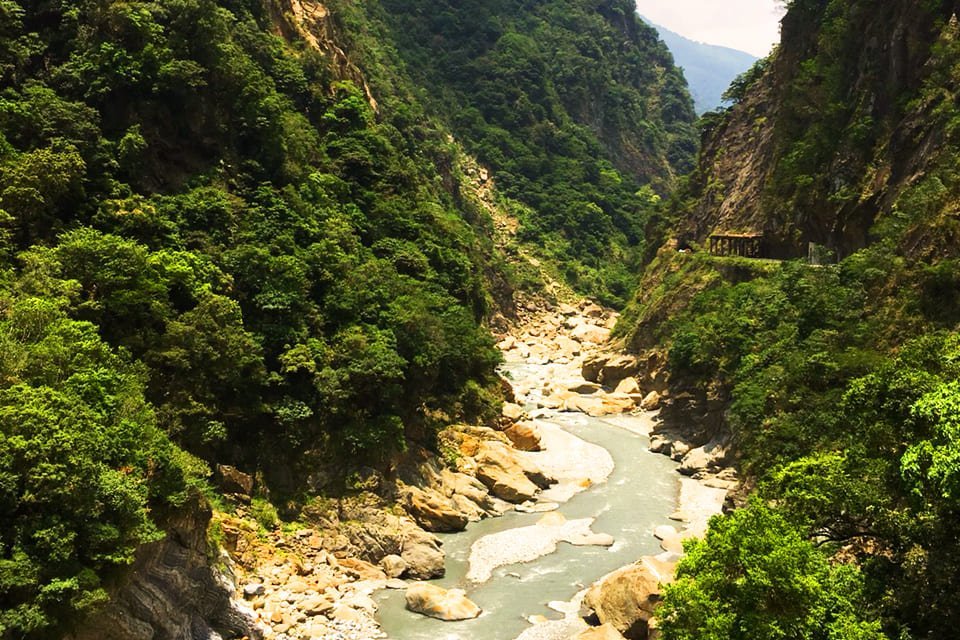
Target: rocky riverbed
{"points": [[321, 579]]}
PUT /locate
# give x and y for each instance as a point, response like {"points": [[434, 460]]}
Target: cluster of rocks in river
{"points": [[316, 582], [623, 603]]}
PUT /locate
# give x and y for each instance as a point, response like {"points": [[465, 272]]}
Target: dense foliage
{"points": [[573, 104], [211, 241], [755, 577], [82, 464], [839, 382], [844, 408]]}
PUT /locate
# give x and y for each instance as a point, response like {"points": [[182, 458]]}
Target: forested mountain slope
{"points": [[574, 104], [836, 384], [213, 242], [232, 233]]}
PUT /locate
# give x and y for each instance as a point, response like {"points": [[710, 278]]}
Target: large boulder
{"points": [[233, 481], [590, 333], [423, 555], [524, 436], [628, 386], [584, 387], [593, 311], [393, 565], [460, 485], [651, 401], [437, 602], [506, 474], [617, 368], [710, 456], [432, 510], [592, 405], [627, 598], [512, 411], [590, 370]]}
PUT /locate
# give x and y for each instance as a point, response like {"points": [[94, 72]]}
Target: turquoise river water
{"points": [[639, 495]]}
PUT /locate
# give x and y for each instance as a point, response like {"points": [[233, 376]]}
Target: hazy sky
{"points": [[748, 25]]}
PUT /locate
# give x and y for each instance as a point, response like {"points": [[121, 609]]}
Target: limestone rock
{"points": [[467, 487], [590, 370], [423, 556], [502, 471], [628, 386], [708, 456], [585, 387], [591, 406], [593, 311], [173, 590], [627, 598], [232, 480], [437, 602], [363, 569], [660, 443], [664, 531], [590, 333], [432, 511], [617, 368], [393, 565], [617, 403], [512, 411], [651, 401], [524, 435]]}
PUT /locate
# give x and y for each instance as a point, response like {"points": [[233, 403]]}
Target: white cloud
{"points": [[748, 25]]}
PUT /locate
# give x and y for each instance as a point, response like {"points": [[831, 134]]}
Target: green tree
{"points": [[754, 577]]}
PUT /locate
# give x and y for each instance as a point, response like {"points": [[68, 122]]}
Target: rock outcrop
{"points": [[440, 603], [432, 510], [627, 598], [174, 591], [524, 436], [507, 475]]}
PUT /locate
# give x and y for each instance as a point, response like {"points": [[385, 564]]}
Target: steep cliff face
{"points": [[176, 589], [831, 132], [556, 63]]}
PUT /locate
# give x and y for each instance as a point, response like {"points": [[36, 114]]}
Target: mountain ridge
{"points": [[708, 68]]}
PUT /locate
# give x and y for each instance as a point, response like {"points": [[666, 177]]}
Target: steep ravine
{"points": [[531, 581], [529, 568]]}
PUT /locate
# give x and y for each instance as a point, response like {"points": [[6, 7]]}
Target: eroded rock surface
{"points": [[174, 591], [437, 602]]}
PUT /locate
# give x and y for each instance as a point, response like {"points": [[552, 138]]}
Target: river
{"points": [[640, 494]]}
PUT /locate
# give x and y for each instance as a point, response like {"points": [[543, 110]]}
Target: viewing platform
{"points": [[745, 245]]}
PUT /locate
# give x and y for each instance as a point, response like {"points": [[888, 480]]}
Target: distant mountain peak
{"points": [[708, 68]]}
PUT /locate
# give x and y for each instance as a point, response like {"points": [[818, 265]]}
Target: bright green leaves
{"points": [[82, 464], [937, 460], [36, 184], [754, 577]]}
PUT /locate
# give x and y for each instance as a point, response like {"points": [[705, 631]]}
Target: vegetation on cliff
{"points": [[837, 383], [574, 105], [209, 239]]}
